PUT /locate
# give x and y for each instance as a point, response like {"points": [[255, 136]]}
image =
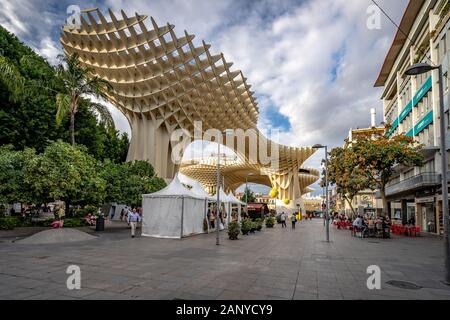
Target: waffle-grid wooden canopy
{"points": [[162, 82]]}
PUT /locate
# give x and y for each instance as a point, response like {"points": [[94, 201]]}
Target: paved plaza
{"points": [[272, 264]]}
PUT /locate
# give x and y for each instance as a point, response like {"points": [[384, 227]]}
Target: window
{"points": [[421, 137], [446, 81], [442, 48], [447, 119], [448, 157], [431, 135], [425, 137]]}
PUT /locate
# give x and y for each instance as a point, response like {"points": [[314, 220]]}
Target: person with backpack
{"points": [[293, 220]]}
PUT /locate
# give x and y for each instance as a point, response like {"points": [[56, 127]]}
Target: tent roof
{"points": [[174, 189], [235, 200], [228, 198], [197, 188], [223, 196]]}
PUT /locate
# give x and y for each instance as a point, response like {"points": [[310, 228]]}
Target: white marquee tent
{"points": [[173, 212], [228, 200], [235, 200]]}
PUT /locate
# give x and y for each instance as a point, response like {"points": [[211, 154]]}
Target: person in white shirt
{"points": [[133, 219], [283, 220], [358, 222]]}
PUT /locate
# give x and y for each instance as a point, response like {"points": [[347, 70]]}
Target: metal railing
{"points": [[415, 182]]}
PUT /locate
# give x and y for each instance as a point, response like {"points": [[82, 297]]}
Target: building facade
{"points": [[411, 106], [312, 203]]}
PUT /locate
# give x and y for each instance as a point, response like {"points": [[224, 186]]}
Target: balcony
{"points": [[411, 184]]}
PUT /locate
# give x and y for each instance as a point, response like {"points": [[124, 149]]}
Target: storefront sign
{"points": [[409, 107], [425, 200]]}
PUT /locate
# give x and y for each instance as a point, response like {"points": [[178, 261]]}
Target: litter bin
{"points": [[100, 224]]}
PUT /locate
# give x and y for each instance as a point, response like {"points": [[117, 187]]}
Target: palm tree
{"points": [[75, 82], [78, 81], [11, 77]]}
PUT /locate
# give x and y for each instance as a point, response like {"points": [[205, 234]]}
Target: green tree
{"points": [[127, 182], [11, 78], [67, 173], [248, 196], [344, 172], [78, 81], [377, 155], [12, 174], [28, 88]]}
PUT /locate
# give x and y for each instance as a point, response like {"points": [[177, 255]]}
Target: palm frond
{"points": [[63, 102], [11, 77], [103, 112], [97, 87]]}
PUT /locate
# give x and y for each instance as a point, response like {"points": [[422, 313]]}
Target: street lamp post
{"points": [[218, 195], [327, 222], [415, 70]]}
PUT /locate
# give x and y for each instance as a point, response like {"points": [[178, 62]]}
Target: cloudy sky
{"points": [[312, 63]]}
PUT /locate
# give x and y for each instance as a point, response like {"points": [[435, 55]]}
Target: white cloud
{"points": [[314, 61], [316, 64], [10, 16], [199, 17], [49, 50]]}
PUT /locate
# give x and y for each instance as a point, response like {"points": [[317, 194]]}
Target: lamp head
{"points": [[318, 146], [418, 68]]}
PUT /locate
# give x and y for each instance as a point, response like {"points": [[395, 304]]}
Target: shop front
{"points": [[396, 212], [426, 214]]}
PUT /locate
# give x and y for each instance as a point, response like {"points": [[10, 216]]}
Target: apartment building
{"points": [[411, 106]]}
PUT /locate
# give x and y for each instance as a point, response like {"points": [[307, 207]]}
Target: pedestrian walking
{"points": [[133, 219], [293, 220], [283, 220], [122, 213]]}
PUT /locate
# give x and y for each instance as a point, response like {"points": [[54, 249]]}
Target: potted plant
{"points": [[246, 226], [253, 226], [233, 230], [259, 224], [270, 222]]}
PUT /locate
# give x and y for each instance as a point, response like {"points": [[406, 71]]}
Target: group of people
{"points": [[380, 225], [284, 217], [212, 218], [339, 218], [132, 217]]}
